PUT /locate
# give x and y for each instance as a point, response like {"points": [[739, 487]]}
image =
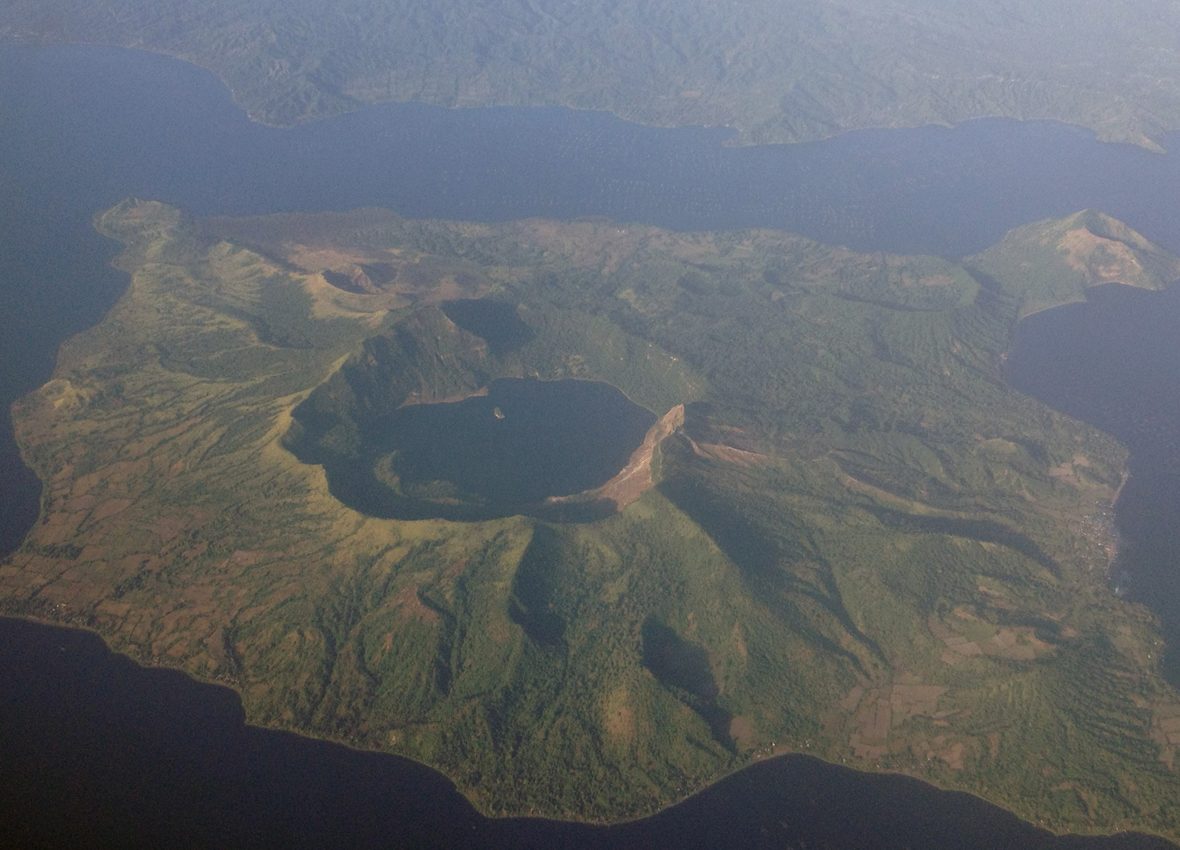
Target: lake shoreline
{"points": [[779, 754]]}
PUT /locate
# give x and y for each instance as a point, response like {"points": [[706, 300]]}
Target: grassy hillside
{"points": [[778, 70], [853, 540], [1050, 263]]}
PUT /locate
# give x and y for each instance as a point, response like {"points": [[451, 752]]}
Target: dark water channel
{"points": [[95, 751]]}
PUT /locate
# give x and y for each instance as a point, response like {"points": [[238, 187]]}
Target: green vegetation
{"points": [[778, 70], [1054, 263], [859, 543]]}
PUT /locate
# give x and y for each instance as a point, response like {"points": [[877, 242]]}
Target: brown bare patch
{"points": [[967, 635], [743, 732], [728, 454], [915, 699], [110, 508], [877, 711], [1069, 471], [315, 258], [407, 603], [954, 754], [1101, 260], [1165, 731], [739, 642]]}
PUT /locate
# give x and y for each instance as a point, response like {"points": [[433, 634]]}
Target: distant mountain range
{"points": [[776, 70]]}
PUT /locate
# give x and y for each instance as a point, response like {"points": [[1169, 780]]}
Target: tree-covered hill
{"points": [[778, 70], [845, 535]]}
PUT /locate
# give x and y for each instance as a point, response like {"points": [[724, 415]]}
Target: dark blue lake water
{"points": [[95, 750], [1113, 361], [493, 455]]}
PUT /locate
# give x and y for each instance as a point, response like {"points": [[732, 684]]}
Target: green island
{"points": [[775, 70], [829, 526]]}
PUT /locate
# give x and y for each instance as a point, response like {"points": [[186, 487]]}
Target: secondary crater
{"points": [[496, 322], [511, 448]]}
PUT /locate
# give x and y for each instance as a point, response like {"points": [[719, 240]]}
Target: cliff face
{"points": [[638, 476]]}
